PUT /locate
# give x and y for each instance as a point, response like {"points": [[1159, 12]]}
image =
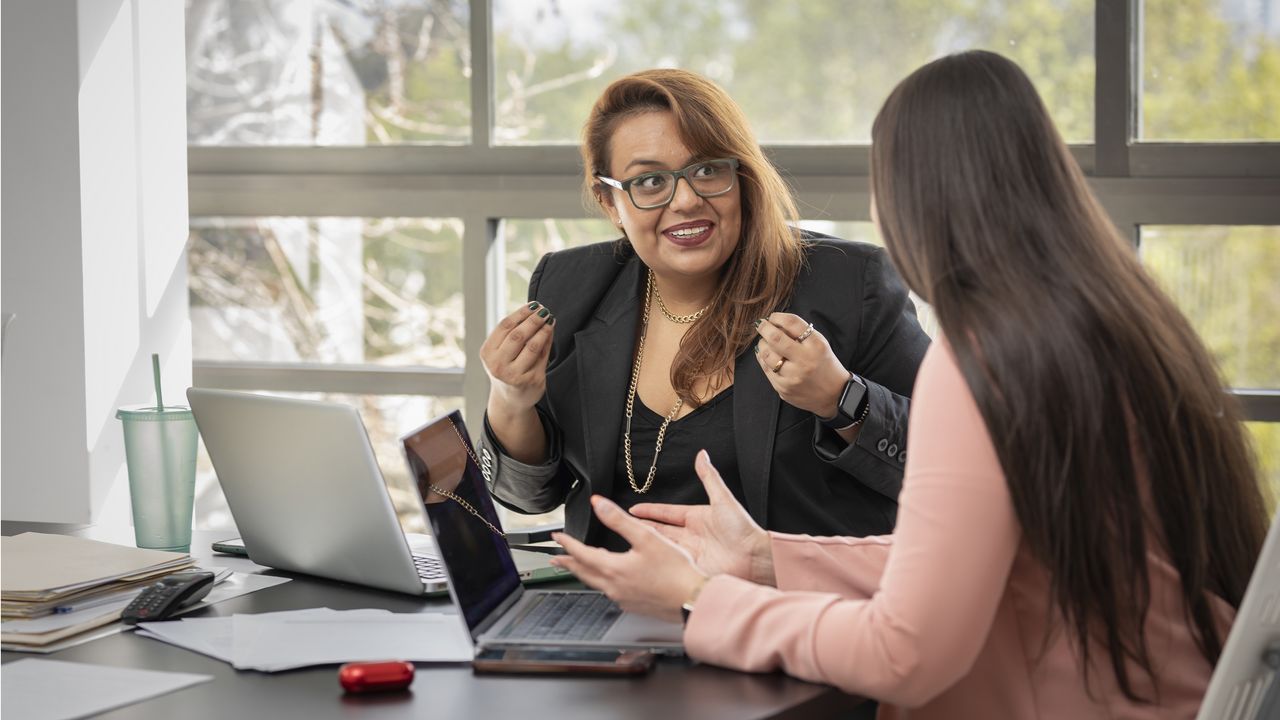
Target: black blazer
{"points": [[797, 476]]}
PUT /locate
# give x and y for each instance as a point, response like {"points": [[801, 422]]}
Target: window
{"points": [[552, 58], [1210, 70], [373, 181], [385, 291], [308, 72], [524, 243], [1224, 278]]}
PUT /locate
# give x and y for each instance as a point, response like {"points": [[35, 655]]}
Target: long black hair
{"points": [[1107, 412]]}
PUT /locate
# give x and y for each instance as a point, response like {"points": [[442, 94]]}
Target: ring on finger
{"points": [[807, 332], [778, 367]]}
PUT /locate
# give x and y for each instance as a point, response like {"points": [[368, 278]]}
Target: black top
{"points": [[709, 427]]}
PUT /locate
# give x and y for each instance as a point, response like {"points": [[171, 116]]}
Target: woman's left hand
{"points": [[655, 577], [804, 371]]}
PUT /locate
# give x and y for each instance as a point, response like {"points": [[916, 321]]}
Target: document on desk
{"points": [[64, 630], [270, 642], [39, 689]]}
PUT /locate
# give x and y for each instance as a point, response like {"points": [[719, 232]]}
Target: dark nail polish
{"points": [[758, 322], [543, 312], [551, 319], [756, 347], [533, 306]]}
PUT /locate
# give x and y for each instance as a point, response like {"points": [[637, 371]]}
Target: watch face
{"points": [[852, 399]]}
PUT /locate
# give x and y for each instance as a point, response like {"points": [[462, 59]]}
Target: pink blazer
{"points": [[947, 617]]}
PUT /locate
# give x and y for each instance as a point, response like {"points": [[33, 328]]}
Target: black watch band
{"points": [[852, 407]]}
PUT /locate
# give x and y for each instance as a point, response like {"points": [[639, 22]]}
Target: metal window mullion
{"points": [[323, 378], [478, 239], [1259, 405], [1114, 97], [481, 22]]}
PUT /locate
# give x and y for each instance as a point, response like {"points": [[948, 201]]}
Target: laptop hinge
{"points": [[496, 614]]}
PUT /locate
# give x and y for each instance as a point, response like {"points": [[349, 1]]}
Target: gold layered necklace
{"points": [[448, 494], [678, 319], [649, 291]]}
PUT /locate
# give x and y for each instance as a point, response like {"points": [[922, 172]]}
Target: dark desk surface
{"points": [[676, 688]]}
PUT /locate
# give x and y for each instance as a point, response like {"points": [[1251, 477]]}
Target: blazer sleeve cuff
{"points": [[521, 486], [878, 455]]}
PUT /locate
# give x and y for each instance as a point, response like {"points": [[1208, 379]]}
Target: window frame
{"points": [[1138, 183]]}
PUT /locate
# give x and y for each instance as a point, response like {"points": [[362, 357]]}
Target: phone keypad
{"points": [[148, 603]]}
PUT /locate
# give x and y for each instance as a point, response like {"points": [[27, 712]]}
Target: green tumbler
{"points": [[160, 450]]}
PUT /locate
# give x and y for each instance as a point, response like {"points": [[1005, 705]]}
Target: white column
{"points": [[94, 232]]}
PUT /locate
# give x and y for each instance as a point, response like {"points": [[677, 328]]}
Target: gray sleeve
{"points": [[524, 488], [891, 345]]}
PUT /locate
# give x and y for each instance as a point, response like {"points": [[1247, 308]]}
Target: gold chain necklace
{"points": [[679, 319], [465, 505], [631, 397]]}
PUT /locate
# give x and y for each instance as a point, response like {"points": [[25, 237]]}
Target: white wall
{"points": [[94, 227]]}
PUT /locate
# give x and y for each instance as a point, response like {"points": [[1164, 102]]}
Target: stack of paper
{"points": [[285, 640], [43, 574]]}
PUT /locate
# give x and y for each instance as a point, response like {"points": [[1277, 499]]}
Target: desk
{"points": [[675, 689]]}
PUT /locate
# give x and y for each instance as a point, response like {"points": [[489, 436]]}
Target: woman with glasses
{"points": [[1081, 512], [711, 323]]}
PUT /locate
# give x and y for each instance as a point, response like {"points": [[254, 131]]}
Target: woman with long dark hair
{"points": [[1081, 512]]}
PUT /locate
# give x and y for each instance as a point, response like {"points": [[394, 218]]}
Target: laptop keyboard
{"points": [[564, 616], [429, 568]]}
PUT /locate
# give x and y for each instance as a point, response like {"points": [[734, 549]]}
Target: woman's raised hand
{"points": [[797, 360], [720, 536], [655, 577], [515, 357]]}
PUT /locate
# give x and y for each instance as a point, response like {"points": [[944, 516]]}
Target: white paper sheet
{"points": [[269, 642], [214, 636], [299, 642], [38, 689]]}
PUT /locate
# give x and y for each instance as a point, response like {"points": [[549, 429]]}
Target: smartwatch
{"points": [[852, 407]]}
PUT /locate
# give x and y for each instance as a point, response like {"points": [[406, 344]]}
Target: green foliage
{"points": [[1203, 79]]}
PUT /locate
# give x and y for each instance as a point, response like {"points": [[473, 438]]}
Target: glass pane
{"points": [[386, 418], [866, 232], [524, 242], [328, 72], [386, 291], [1224, 279], [1266, 446], [1210, 70], [806, 72]]}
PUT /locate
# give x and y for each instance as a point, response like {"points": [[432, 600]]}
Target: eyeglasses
{"points": [[656, 189]]}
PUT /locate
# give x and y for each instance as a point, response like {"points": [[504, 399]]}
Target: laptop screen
{"points": [[481, 571]]}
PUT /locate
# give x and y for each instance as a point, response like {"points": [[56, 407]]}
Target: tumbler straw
{"points": [[155, 371]]}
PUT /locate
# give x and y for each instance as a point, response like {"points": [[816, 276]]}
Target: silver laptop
{"points": [[1246, 682], [307, 496], [483, 579]]}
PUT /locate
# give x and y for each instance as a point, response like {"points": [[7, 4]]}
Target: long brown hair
{"points": [[1107, 412], [758, 278]]}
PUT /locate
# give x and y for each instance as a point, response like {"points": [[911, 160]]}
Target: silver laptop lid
{"points": [[304, 487], [483, 580]]}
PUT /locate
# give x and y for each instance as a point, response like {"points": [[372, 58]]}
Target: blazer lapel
{"points": [[604, 350], [755, 422]]}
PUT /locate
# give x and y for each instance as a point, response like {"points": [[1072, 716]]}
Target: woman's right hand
{"points": [[515, 357], [721, 536]]}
